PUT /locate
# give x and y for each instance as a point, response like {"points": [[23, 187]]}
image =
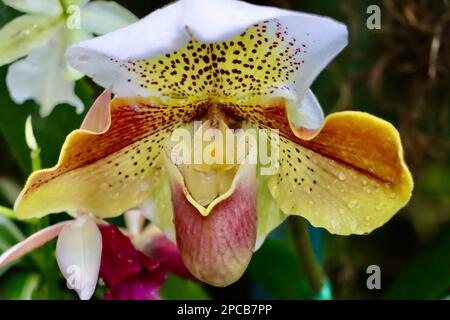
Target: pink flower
{"points": [[128, 273]]}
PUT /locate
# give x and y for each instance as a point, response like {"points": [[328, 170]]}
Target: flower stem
{"points": [[7, 212], [35, 156], [308, 261]]}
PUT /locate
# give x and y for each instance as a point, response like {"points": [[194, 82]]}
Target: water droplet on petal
{"points": [[341, 176], [352, 203], [115, 196], [353, 226], [144, 186], [379, 206], [334, 223]]}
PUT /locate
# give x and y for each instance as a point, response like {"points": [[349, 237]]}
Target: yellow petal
{"points": [[349, 177], [107, 172], [269, 214], [158, 207]]}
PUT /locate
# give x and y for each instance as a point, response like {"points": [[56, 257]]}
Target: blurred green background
{"points": [[394, 73]]}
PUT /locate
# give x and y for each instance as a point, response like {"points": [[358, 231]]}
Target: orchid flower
{"points": [[131, 273], [43, 34], [231, 65], [78, 252], [87, 250], [154, 243]]}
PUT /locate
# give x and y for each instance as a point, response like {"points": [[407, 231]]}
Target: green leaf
{"points": [[275, 267], [20, 286], [177, 288], [428, 274], [9, 236], [6, 212]]}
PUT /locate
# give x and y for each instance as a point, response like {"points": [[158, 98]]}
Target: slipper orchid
{"points": [[231, 65], [43, 34]]}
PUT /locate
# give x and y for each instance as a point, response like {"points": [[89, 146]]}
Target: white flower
{"points": [[78, 252], [43, 34]]}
